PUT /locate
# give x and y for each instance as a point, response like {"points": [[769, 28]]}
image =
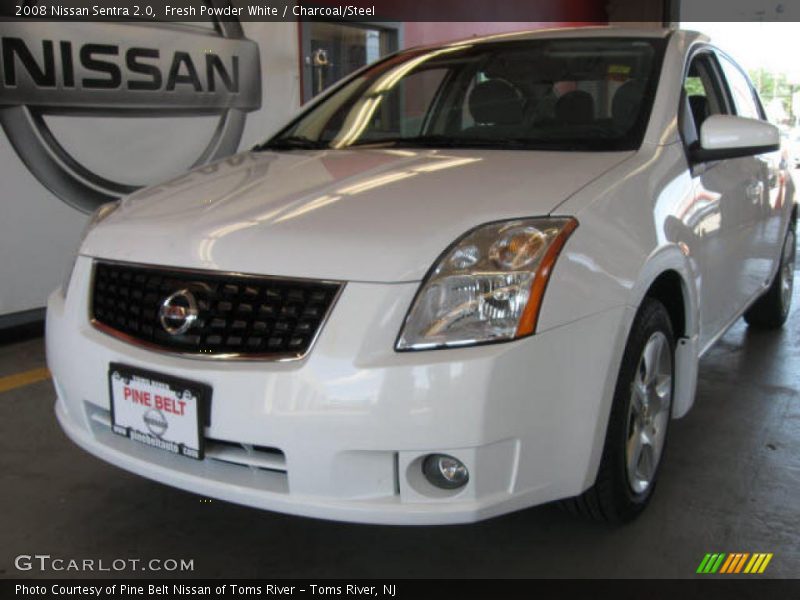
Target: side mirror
{"points": [[726, 136]]}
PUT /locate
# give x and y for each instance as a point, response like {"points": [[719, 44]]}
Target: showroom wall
{"points": [[483, 15], [92, 110]]}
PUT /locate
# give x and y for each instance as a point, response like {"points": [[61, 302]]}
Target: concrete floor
{"points": [[730, 483]]}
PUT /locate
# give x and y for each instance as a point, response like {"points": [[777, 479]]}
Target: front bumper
{"points": [[351, 423]]}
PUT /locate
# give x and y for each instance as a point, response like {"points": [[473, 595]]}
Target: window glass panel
{"points": [[404, 108], [337, 50], [703, 92], [741, 90], [556, 94]]}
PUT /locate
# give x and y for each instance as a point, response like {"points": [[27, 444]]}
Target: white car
{"points": [[469, 279]]}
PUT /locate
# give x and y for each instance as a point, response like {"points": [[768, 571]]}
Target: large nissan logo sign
{"points": [[128, 70]]}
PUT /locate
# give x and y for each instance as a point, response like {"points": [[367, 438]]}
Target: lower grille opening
{"points": [[263, 459], [246, 455]]}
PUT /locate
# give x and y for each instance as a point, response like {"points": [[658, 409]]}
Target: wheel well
{"points": [[668, 289]]}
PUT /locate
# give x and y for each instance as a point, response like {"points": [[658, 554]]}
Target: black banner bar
{"points": [[522, 11], [214, 589]]}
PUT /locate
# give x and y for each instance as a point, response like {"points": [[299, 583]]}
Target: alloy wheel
{"points": [[648, 412]]}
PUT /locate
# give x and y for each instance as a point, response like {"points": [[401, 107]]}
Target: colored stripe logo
{"points": [[733, 563]]}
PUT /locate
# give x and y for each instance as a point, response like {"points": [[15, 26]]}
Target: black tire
{"points": [[613, 498], [771, 310]]}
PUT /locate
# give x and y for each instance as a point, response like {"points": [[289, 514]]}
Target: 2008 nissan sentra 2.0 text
{"points": [[468, 279]]}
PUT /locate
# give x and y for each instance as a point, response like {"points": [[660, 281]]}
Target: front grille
{"points": [[242, 315]]}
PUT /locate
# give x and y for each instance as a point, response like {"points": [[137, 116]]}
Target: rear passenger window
{"points": [[742, 91]]}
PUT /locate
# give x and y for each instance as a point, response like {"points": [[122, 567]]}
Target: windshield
{"points": [[590, 94]]}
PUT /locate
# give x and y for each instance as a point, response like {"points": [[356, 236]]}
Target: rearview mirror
{"points": [[726, 136]]}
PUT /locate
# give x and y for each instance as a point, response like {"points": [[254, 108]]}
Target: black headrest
{"points": [[576, 107], [626, 103], [699, 107], [495, 102]]}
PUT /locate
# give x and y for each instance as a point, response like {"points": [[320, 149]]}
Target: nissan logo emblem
{"points": [[156, 422], [178, 312], [134, 70]]}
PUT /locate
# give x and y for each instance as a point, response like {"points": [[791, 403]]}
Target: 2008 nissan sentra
{"points": [[469, 279]]}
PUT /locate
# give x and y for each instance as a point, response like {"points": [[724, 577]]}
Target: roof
{"points": [[585, 32]]}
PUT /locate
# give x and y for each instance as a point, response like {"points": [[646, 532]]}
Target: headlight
{"points": [[101, 214], [488, 286]]}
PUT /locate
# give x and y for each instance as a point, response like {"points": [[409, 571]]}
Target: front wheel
{"points": [[638, 424], [771, 310]]}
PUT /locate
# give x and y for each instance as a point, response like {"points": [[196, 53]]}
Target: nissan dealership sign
{"points": [[133, 71]]}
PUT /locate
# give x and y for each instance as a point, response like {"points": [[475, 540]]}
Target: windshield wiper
{"points": [[420, 141], [292, 142], [446, 141]]}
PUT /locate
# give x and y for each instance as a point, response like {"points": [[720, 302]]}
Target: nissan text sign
{"points": [[126, 70]]}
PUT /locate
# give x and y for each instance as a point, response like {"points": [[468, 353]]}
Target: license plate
{"points": [[158, 410]]}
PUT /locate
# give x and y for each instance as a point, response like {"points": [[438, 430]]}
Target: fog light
{"points": [[445, 471]]}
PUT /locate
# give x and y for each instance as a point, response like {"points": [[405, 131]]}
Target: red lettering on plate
{"points": [[165, 403], [140, 397], [170, 405]]}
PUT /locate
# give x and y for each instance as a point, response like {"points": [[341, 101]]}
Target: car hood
{"points": [[352, 215]]}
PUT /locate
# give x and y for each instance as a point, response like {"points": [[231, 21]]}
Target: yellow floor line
{"points": [[19, 380]]}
